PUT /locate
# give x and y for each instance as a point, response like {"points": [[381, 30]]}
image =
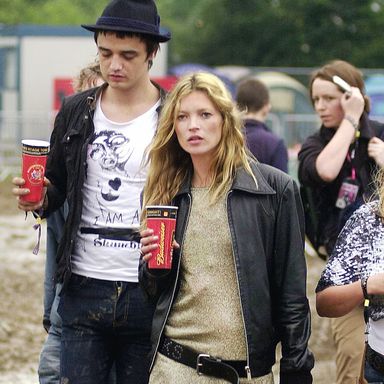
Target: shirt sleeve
{"points": [[352, 250], [307, 172]]}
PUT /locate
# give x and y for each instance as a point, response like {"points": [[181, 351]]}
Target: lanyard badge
{"points": [[350, 186], [347, 193]]}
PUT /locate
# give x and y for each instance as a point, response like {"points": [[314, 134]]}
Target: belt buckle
{"points": [[199, 364]]}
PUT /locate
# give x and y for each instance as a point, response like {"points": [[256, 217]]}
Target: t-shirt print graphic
{"points": [[112, 151]]}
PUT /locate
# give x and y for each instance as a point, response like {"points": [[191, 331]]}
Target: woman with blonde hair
{"points": [[237, 285]]}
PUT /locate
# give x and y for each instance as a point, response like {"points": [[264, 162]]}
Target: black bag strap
{"points": [[312, 219]]}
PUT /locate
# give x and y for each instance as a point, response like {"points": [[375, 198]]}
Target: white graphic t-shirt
{"points": [[115, 176]]}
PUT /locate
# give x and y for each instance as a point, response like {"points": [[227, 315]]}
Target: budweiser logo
{"points": [[160, 255]]}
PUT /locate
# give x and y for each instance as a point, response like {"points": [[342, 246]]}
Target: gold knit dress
{"points": [[206, 315]]}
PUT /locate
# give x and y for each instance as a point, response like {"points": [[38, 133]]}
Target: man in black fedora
{"points": [[96, 163]]}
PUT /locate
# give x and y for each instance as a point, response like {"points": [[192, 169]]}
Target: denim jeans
{"points": [[49, 363], [104, 322], [373, 376], [55, 224]]}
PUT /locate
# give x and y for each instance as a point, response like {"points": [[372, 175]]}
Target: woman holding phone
{"points": [[336, 166]]}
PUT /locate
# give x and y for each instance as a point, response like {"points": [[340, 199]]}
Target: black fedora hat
{"points": [[136, 16]]}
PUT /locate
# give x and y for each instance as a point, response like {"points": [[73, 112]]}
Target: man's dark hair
{"points": [[252, 95]]}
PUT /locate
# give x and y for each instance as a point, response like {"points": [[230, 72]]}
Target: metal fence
{"points": [[13, 128], [293, 128]]}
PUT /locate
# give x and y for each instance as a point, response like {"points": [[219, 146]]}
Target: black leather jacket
{"points": [[66, 167], [266, 225]]}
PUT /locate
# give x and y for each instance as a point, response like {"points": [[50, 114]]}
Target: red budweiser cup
{"points": [[34, 158], [162, 219]]}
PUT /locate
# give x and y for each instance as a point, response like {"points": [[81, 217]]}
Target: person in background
{"points": [[49, 363], [336, 165], [89, 77], [95, 164], [354, 272], [252, 97], [237, 286]]}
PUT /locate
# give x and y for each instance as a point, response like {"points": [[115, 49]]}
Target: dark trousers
{"points": [[373, 376], [104, 322]]}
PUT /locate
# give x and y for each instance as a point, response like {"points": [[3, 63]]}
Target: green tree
{"points": [[52, 12], [275, 33], [241, 32]]}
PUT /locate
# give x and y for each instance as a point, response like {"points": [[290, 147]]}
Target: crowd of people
{"points": [[237, 284]]}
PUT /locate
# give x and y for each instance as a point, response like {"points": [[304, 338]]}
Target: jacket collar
{"points": [[366, 129], [99, 90], [255, 124], [93, 97], [242, 182]]}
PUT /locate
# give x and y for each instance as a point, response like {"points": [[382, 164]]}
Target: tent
{"points": [[183, 69], [287, 94]]}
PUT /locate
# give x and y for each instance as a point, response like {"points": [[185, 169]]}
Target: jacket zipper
{"points": [[174, 287], [119, 287], [247, 367]]}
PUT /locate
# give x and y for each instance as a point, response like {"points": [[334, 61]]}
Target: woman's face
{"points": [[198, 125], [326, 100]]}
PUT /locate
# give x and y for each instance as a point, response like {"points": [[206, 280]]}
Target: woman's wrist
{"points": [[354, 122]]}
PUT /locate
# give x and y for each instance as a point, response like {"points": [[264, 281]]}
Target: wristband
{"points": [[353, 122], [364, 281]]}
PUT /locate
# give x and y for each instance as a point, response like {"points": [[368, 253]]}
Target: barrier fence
{"points": [[293, 128], [13, 128]]}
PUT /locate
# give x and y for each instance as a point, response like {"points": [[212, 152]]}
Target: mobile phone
{"points": [[342, 83]]}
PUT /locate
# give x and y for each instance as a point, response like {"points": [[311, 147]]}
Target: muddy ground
{"points": [[21, 279], [21, 292]]}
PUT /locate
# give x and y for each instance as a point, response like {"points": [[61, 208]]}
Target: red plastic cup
{"points": [[34, 158], [162, 219]]}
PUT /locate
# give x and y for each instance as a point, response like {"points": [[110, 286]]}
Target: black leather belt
{"points": [[375, 359], [124, 234], [204, 364]]}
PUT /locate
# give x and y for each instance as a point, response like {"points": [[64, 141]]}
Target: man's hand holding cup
{"points": [[30, 189]]}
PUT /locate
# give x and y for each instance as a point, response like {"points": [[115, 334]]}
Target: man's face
{"points": [[123, 61]]}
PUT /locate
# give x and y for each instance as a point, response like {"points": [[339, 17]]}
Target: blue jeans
{"points": [[49, 363], [55, 225], [104, 322], [373, 376]]}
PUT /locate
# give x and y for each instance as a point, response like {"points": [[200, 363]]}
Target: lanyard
{"points": [[37, 226], [351, 155]]}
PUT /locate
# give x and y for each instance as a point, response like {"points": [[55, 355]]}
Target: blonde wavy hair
{"points": [[169, 165], [89, 77], [379, 195]]}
